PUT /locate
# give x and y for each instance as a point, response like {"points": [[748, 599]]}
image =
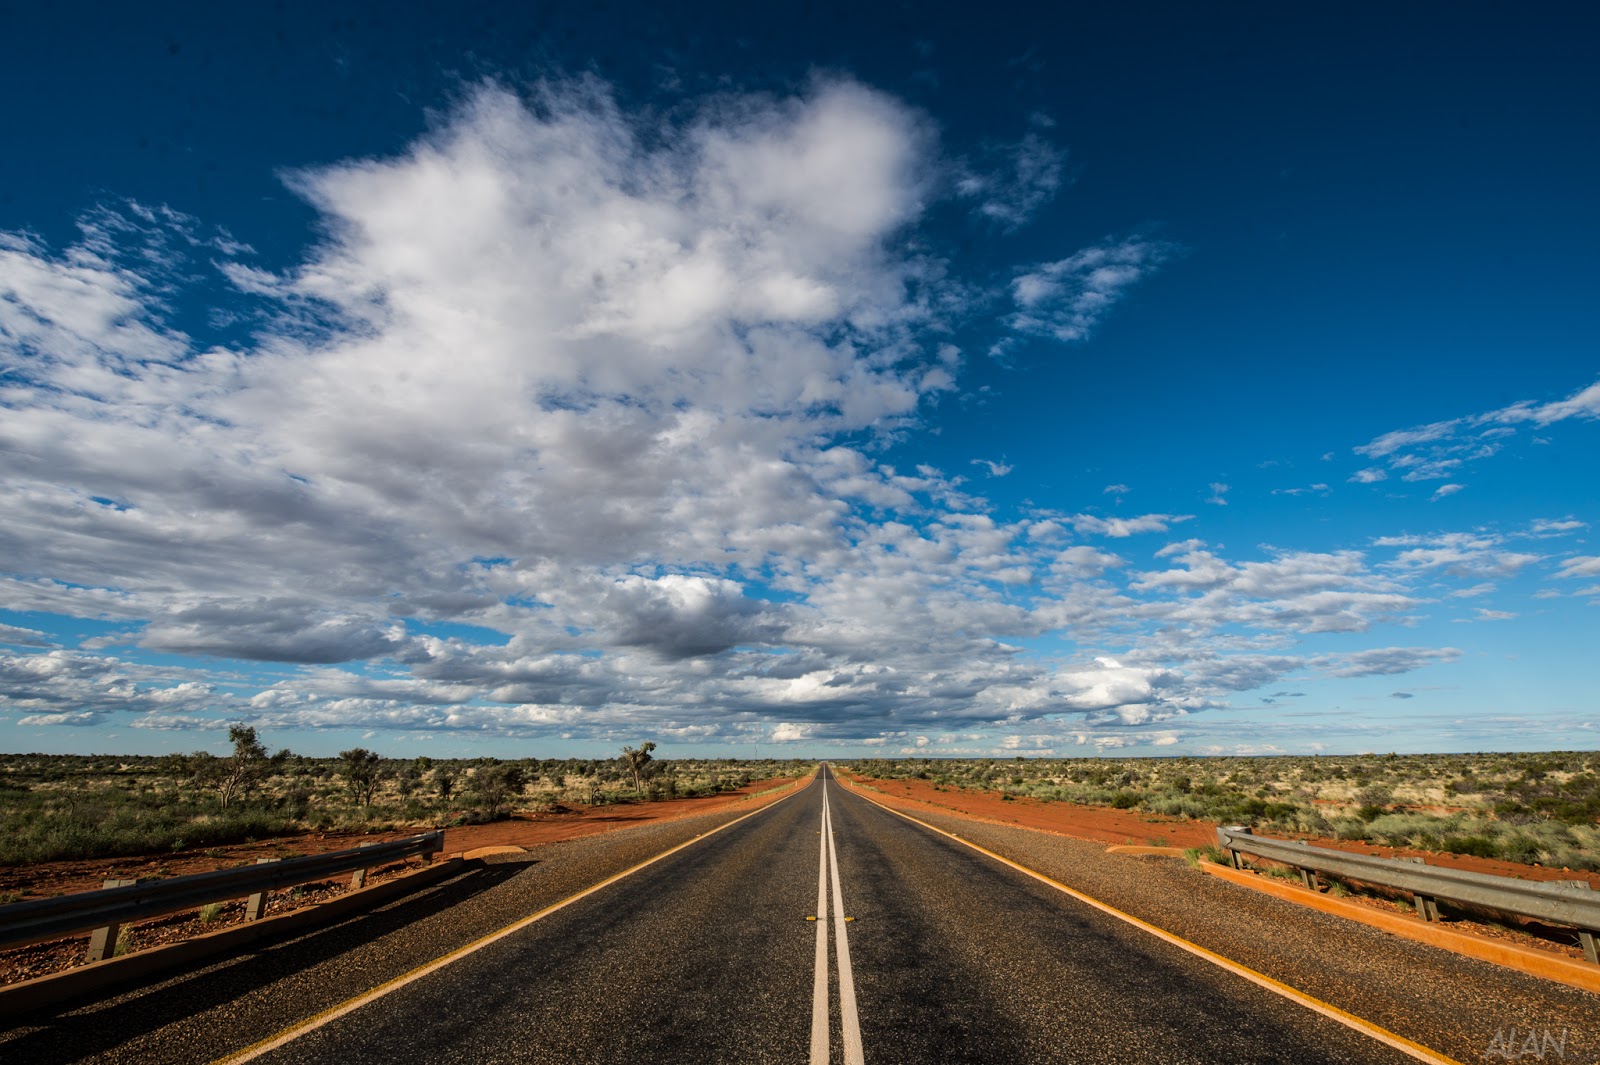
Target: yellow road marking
{"points": [[333, 1013], [1316, 1005]]}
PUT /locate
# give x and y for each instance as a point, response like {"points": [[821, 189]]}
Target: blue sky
{"points": [[1151, 381]]}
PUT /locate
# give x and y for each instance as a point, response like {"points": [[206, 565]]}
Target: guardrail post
{"points": [[1233, 830], [1427, 906], [358, 879], [257, 903], [103, 941], [1308, 877], [1585, 936]]}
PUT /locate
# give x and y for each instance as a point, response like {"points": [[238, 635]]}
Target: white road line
{"points": [[300, 1028], [849, 1023], [819, 990]]}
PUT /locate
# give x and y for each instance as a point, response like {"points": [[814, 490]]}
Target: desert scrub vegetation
{"points": [[1531, 808], [56, 807]]}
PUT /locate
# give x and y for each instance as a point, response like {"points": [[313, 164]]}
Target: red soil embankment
{"points": [[522, 830], [1105, 825]]}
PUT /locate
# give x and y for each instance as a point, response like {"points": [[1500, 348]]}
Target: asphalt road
{"points": [[925, 951], [708, 956]]}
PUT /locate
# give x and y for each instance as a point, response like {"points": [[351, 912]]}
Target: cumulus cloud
{"points": [[72, 688], [1295, 591], [1472, 555], [572, 421]]}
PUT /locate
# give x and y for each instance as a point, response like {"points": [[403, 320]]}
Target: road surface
{"points": [[822, 928]]}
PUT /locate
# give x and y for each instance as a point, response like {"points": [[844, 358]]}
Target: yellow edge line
{"points": [[333, 1013], [1349, 1020]]}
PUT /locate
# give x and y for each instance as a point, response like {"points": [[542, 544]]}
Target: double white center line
{"points": [[850, 1026]]}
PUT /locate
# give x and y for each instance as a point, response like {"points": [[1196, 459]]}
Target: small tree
{"points": [[243, 769], [636, 760], [236, 775], [496, 785], [361, 773], [444, 782]]}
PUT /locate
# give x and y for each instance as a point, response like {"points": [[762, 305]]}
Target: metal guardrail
{"points": [[1567, 902], [121, 901]]}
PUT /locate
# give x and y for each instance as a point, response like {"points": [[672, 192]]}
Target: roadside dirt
{"points": [[525, 830], [44, 879], [1113, 827], [1102, 824]]}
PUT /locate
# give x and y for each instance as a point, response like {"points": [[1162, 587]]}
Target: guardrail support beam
{"points": [[103, 941], [101, 912], [1570, 903]]}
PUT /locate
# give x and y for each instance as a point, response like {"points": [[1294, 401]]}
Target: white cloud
{"points": [[609, 391], [1442, 449], [17, 636], [1580, 566], [1546, 527], [1295, 591], [1472, 555], [1120, 528], [1446, 490], [1384, 661], [1085, 562], [1067, 298], [1015, 181], [1219, 494]]}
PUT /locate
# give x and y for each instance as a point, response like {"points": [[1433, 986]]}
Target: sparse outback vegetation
{"points": [[1529, 808], [55, 807]]}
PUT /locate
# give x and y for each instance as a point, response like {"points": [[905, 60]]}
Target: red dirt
{"points": [[1102, 824], [522, 830]]}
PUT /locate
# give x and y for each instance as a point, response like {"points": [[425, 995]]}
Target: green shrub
{"points": [[1476, 846]]}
